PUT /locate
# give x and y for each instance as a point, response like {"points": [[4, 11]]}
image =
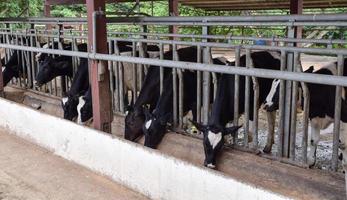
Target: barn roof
{"points": [[232, 4]]}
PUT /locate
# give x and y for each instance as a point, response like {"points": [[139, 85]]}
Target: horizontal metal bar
{"points": [[230, 37], [223, 37], [293, 19], [342, 51], [266, 18], [226, 45], [263, 73]]}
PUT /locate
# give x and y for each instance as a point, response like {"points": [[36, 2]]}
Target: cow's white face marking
{"points": [[80, 105], [212, 166], [214, 138], [65, 100], [126, 112], [37, 57], [270, 96], [3, 69], [148, 124]]}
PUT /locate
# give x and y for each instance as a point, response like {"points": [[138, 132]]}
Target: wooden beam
{"points": [[99, 74], [47, 12], [173, 11], [296, 8]]}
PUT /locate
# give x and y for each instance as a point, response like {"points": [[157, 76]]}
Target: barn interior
{"points": [[302, 32]]}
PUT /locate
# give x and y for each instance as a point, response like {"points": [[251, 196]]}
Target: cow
{"points": [[74, 97], [156, 122], [13, 68], [321, 109], [223, 107], [149, 94], [50, 68], [79, 86], [85, 107]]}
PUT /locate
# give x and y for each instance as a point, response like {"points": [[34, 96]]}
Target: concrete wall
{"points": [[144, 170]]}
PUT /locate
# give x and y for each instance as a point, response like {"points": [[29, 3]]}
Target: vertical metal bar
{"points": [[306, 96], [174, 85], [23, 63], [237, 93], [180, 91], [121, 86], [206, 85], [134, 75], [161, 56], [62, 78], [117, 78], [198, 101], [293, 109], [142, 54], [32, 59], [337, 114], [206, 78], [110, 66], [288, 98], [281, 107], [1, 80], [247, 98], [255, 108]]}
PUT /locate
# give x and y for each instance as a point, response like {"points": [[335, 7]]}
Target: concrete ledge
{"points": [[144, 170]]}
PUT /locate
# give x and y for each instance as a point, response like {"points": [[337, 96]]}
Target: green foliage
{"points": [[14, 8]]}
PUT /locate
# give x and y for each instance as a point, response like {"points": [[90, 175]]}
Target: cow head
{"points": [[154, 128], [69, 105], [134, 120], [213, 140], [49, 69], [84, 109]]}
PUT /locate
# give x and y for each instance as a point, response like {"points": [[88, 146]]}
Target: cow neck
{"points": [[80, 82], [164, 105]]}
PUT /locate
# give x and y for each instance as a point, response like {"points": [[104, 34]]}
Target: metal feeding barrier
{"points": [[290, 73]]}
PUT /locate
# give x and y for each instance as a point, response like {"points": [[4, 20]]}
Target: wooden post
{"points": [[99, 75], [173, 11], [296, 8], [47, 12]]}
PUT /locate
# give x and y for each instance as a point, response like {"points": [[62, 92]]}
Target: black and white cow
{"points": [[223, 106], [321, 109], [79, 86], [84, 102], [156, 122], [50, 68], [13, 68], [149, 94], [85, 107]]}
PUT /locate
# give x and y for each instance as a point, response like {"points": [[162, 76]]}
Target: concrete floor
{"points": [[28, 172]]}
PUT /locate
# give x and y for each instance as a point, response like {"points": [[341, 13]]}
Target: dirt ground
{"points": [[28, 172]]}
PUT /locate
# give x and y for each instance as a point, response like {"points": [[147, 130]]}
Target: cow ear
{"points": [[309, 70], [231, 130], [199, 126]]}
